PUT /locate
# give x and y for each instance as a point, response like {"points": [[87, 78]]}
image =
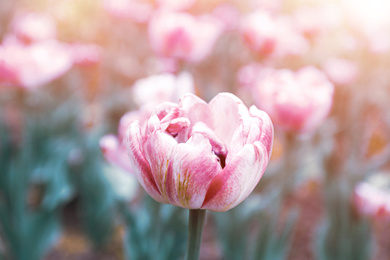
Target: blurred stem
{"points": [[291, 165], [195, 230]]}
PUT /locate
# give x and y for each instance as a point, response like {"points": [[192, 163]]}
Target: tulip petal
{"points": [[238, 178], [256, 127], [196, 110], [115, 153], [140, 164], [157, 149], [225, 106], [192, 167], [267, 129]]}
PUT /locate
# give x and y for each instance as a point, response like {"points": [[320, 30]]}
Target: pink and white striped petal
{"points": [[238, 178], [134, 142], [192, 167]]}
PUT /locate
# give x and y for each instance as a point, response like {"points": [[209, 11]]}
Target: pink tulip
{"points": [[34, 27], [271, 6], [85, 54], [113, 147], [269, 35], [314, 21], [148, 93], [33, 65], [175, 5], [371, 200], [141, 11], [247, 75], [341, 71], [155, 89], [259, 31], [183, 36], [136, 10], [228, 14], [201, 156], [295, 101]]}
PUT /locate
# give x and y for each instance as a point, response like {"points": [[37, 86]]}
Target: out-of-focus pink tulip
{"points": [[313, 21], [136, 10], [371, 200], [268, 35], [175, 5], [155, 89], [85, 54], [371, 19], [33, 65], [113, 147], [141, 11], [247, 75], [183, 36], [34, 27], [228, 14], [259, 31], [200, 155], [148, 93], [295, 101], [272, 6], [341, 71]]}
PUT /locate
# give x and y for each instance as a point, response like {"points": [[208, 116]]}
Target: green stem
{"points": [[195, 230]]}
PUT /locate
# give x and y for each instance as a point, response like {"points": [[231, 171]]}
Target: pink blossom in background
{"points": [[85, 54], [372, 21], [248, 75], [201, 155], [33, 65], [113, 147], [259, 32], [166, 64], [341, 71], [148, 93], [271, 6], [290, 41], [314, 21], [379, 42], [371, 200], [34, 27], [141, 11], [137, 10], [296, 101], [155, 89], [228, 14], [183, 36], [175, 5], [268, 35]]}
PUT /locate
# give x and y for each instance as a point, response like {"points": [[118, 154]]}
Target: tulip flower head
{"points": [[33, 65], [272, 36], [372, 201], [155, 89], [138, 11], [85, 54], [183, 36], [34, 27], [200, 155], [296, 101], [341, 71]]}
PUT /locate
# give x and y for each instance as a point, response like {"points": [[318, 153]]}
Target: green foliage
{"points": [[29, 227], [344, 235], [154, 231], [253, 230], [40, 174], [96, 195]]}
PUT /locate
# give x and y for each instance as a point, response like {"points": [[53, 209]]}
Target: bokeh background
{"points": [[74, 73]]}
